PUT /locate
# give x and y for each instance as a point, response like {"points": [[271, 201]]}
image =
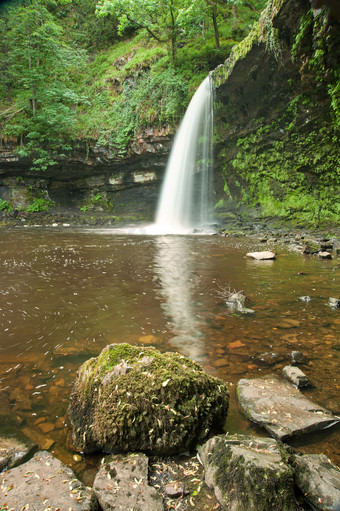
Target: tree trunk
{"points": [[216, 33], [173, 36]]}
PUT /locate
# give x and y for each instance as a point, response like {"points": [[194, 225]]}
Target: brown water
{"points": [[66, 294]]}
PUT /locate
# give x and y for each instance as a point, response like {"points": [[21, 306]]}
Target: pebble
{"points": [[334, 303], [298, 358], [177, 490], [46, 427]]}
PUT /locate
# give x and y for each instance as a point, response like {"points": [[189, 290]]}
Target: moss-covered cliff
{"points": [[278, 116]]}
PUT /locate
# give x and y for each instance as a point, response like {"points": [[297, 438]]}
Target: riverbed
{"points": [[66, 293]]}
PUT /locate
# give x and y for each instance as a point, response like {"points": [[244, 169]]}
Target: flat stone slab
{"points": [[248, 473], [13, 450], [261, 256], [122, 484], [280, 408], [319, 481], [44, 483]]}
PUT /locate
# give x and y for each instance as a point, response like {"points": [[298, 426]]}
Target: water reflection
{"points": [[174, 270]]}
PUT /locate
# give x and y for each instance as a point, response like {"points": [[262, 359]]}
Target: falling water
{"points": [[186, 195]]}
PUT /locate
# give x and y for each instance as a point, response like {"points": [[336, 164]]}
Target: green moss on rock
{"points": [[248, 473], [138, 399]]}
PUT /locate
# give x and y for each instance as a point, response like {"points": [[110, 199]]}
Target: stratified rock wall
{"points": [[131, 183]]}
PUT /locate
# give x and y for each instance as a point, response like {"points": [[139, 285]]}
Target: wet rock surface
{"points": [[280, 408], [44, 483], [248, 473], [110, 410], [319, 481], [295, 376], [261, 256], [122, 484], [13, 451]]}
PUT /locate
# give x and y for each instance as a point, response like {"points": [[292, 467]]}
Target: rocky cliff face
{"points": [[278, 115], [90, 177]]}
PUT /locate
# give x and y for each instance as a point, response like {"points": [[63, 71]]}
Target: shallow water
{"points": [[66, 294]]}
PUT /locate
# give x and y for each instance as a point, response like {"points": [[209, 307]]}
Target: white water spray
{"points": [[186, 195]]}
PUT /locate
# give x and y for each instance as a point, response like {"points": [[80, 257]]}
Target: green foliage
{"points": [[296, 175], [39, 204], [158, 17], [84, 28], [272, 41], [40, 67], [5, 206], [149, 100], [311, 37], [54, 95], [98, 201], [306, 25]]}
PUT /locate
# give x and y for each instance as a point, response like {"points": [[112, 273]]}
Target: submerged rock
{"points": [[248, 473], [298, 358], [122, 484], [280, 408], [44, 483], [305, 298], [270, 358], [138, 399], [319, 481], [261, 256]]}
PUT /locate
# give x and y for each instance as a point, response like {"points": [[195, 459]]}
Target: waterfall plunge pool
{"points": [[65, 294]]}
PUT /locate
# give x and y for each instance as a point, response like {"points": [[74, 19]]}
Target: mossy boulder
{"points": [[138, 399], [248, 473]]}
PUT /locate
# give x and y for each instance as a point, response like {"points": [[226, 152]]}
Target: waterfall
{"points": [[186, 195]]}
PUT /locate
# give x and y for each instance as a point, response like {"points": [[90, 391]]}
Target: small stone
{"points": [[334, 303], [324, 255], [46, 427], [60, 423], [288, 323], [261, 256], [174, 491], [296, 376], [298, 358], [305, 298], [46, 444]]}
